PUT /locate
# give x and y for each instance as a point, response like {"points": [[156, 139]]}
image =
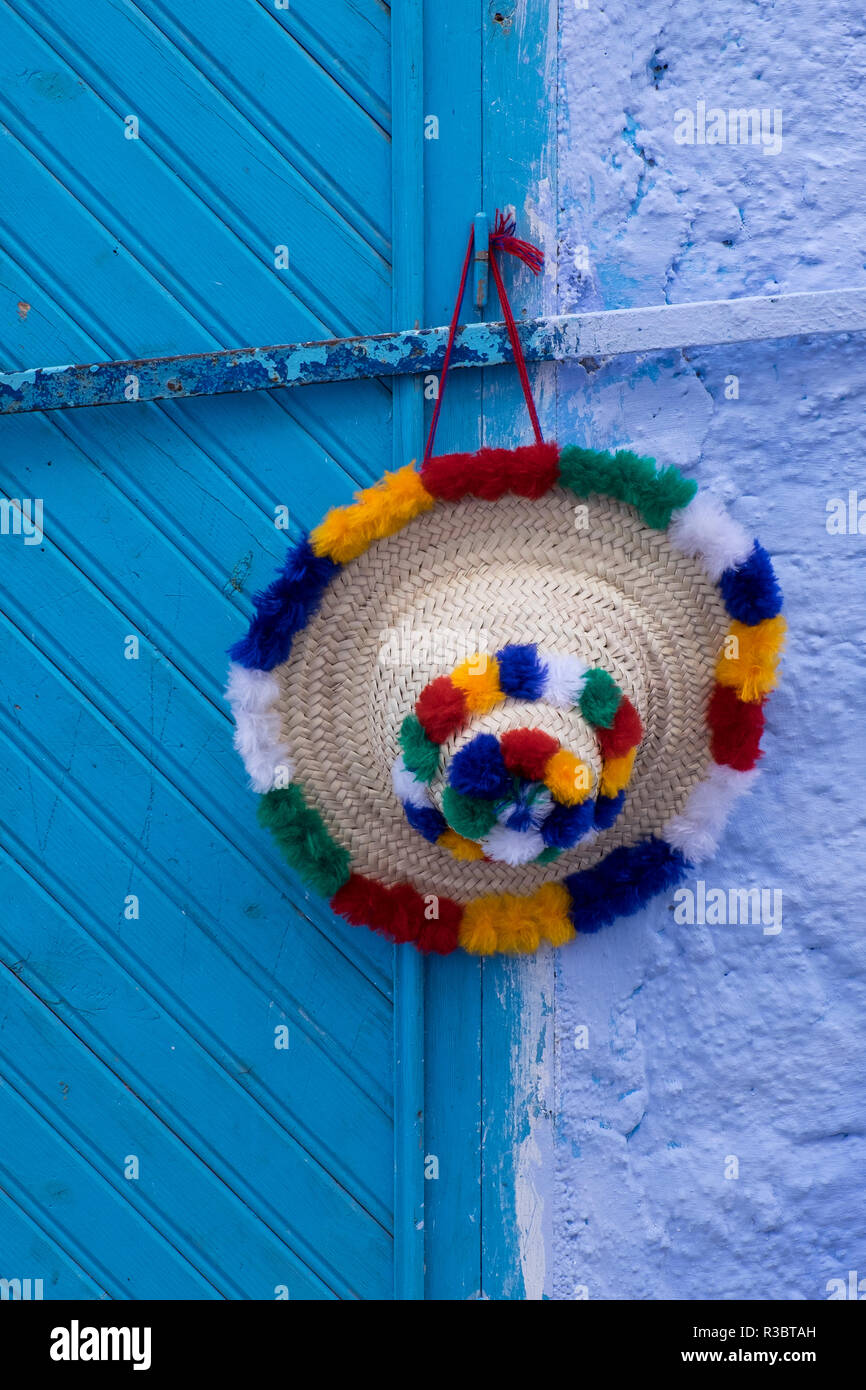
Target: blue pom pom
{"points": [[607, 808], [623, 882], [567, 824], [427, 820], [284, 608], [477, 769], [751, 591], [521, 672]]}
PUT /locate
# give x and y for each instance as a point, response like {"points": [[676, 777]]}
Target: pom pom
{"points": [[736, 729], [459, 846], [440, 935], [565, 677], [530, 471], [512, 847], [478, 678], [470, 817], [377, 511], [696, 831], [625, 732], [477, 768], [526, 752], [254, 699], [359, 901], [751, 592], [623, 882], [304, 840], [616, 774], [566, 825], [426, 820], [751, 667], [705, 531], [521, 673], [478, 926], [518, 929], [441, 709], [405, 913], [284, 608], [600, 699], [629, 478], [607, 808], [551, 907], [567, 778], [419, 754], [407, 787]]}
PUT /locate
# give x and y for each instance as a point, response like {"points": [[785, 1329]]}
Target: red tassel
{"points": [[503, 238]]}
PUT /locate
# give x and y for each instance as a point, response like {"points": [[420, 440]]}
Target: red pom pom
{"points": [[406, 913], [625, 732], [440, 935], [441, 709], [398, 912], [361, 901], [526, 752], [736, 727], [530, 471]]}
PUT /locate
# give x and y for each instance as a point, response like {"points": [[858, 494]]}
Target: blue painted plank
{"points": [[190, 633], [352, 40], [452, 185], [338, 1029], [124, 774], [407, 213], [519, 170], [27, 1253], [95, 1111], [196, 161]]}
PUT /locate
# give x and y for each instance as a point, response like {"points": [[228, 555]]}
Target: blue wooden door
{"points": [[210, 1087]]}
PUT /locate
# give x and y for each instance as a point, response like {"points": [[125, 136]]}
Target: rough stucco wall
{"points": [[714, 1041]]}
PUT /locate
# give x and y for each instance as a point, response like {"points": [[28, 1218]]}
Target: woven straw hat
{"points": [[508, 697]]}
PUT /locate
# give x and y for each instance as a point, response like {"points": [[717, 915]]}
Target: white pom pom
{"points": [[255, 691], [407, 786], [705, 530], [696, 831], [565, 677], [512, 846], [254, 697]]}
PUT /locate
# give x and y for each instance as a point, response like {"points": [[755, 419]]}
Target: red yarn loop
{"points": [[502, 238]]}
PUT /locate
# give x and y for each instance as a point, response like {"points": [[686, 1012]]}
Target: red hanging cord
{"points": [[501, 238]]}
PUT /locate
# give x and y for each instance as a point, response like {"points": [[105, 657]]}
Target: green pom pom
{"points": [[629, 478], [420, 754], [671, 491], [468, 815], [600, 698], [547, 856], [304, 839]]}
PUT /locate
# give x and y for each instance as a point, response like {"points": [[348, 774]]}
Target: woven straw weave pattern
{"points": [[488, 573]]}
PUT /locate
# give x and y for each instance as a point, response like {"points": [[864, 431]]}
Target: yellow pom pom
{"points": [[551, 903], [377, 511], [517, 927], [459, 846], [750, 656], [568, 779], [616, 774], [478, 926], [479, 679]]}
